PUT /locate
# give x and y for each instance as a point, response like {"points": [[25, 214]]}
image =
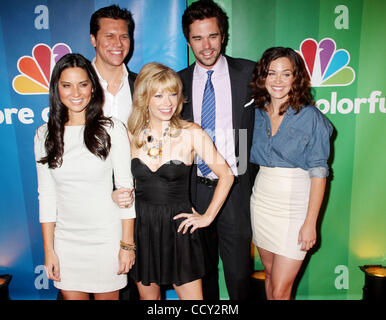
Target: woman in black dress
{"points": [[163, 147]]}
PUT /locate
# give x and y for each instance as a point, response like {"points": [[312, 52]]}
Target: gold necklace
{"points": [[155, 151]]}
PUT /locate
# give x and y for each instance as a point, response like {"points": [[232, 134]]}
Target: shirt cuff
{"points": [[318, 172], [47, 212], [128, 213]]}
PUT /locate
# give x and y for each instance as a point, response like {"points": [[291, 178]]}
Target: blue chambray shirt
{"points": [[302, 141]]}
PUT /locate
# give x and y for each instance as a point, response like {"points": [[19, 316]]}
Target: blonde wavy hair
{"points": [[152, 78]]}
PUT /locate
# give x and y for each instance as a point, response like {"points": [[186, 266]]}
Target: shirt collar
{"points": [[219, 68], [103, 81], [290, 111]]}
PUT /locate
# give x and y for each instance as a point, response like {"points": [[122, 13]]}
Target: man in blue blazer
{"points": [[205, 27]]}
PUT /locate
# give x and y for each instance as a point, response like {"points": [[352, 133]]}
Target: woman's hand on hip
{"points": [[193, 220]]}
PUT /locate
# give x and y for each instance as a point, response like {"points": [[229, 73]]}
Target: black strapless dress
{"points": [[163, 255]]}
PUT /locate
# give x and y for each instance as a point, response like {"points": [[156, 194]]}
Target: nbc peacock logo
{"points": [[326, 66], [35, 71]]}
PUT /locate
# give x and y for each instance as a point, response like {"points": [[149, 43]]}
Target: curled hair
{"points": [[300, 93], [152, 78], [112, 12], [96, 138], [205, 9]]}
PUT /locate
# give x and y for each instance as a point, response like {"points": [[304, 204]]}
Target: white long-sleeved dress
{"points": [[77, 197]]}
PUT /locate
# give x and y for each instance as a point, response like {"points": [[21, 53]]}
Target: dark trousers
{"points": [[230, 236]]}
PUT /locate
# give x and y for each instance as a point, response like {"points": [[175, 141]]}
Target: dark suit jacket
{"points": [[131, 77], [240, 73]]}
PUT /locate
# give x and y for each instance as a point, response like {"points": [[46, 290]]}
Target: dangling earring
{"points": [[147, 116]]}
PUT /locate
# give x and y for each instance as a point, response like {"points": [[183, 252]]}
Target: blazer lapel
{"points": [[131, 78], [187, 79], [237, 99]]}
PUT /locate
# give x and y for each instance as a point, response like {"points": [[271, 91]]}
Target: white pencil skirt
{"points": [[279, 205]]}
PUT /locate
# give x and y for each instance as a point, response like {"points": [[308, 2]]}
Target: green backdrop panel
{"points": [[353, 220]]}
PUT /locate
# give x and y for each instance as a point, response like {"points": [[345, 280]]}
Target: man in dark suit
{"points": [[205, 27], [111, 32]]}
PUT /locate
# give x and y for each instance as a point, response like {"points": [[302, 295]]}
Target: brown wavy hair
{"points": [[300, 93]]}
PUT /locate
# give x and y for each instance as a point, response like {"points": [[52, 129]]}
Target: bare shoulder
{"points": [[190, 126], [194, 130]]}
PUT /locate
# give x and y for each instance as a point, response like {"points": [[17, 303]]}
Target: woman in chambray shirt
{"points": [[291, 143]]}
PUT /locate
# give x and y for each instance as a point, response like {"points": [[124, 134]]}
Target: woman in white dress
{"points": [[88, 240], [291, 145]]}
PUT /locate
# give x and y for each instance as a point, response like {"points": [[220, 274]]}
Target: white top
{"points": [[79, 192], [224, 133], [77, 197], [119, 105]]}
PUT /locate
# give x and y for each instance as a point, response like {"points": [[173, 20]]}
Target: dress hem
{"points": [[87, 289], [278, 252], [161, 283]]}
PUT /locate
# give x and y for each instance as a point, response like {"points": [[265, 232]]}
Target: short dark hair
{"points": [[300, 93], [113, 12], [204, 9]]}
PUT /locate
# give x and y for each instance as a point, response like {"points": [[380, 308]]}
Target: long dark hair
{"points": [[96, 138], [300, 93]]}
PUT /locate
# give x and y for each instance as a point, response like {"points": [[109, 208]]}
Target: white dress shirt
{"points": [[118, 105]]}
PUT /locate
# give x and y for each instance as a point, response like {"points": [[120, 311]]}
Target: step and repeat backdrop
{"points": [[342, 43], [34, 34]]}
